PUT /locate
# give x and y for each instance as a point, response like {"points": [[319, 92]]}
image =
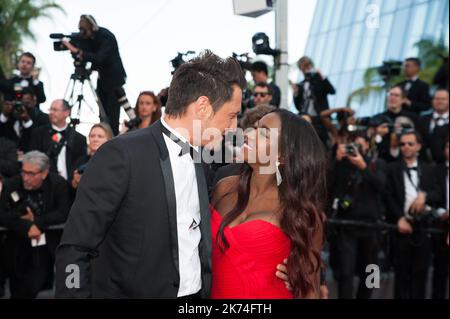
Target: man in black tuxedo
{"points": [[62, 144], [139, 227], [417, 91], [410, 188], [27, 79], [434, 127], [29, 204]]}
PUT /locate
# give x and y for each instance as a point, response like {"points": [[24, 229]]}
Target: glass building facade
{"points": [[349, 36]]}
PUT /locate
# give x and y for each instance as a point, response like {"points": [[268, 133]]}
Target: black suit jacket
{"points": [[76, 147], [441, 176], [122, 229], [419, 95], [9, 165], [103, 52], [56, 203], [23, 142], [395, 187], [320, 90], [433, 142]]}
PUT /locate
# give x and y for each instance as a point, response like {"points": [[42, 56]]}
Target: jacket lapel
{"points": [[166, 169]]}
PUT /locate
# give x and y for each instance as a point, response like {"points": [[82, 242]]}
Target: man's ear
{"points": [[203, 108]]}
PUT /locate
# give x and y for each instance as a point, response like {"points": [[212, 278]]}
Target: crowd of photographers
{"points": [[387, 178]]}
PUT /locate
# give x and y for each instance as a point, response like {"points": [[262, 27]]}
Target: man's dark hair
{"points": [[415, 60], [265, 85], [28, 55], [412, 132], [259, 66], [397, 86], [207, 75]]}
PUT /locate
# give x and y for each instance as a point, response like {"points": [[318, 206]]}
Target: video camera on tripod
{"points": [[81, 74]]}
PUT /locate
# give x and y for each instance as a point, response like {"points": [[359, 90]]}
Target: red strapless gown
{"points": [[247, 268]]}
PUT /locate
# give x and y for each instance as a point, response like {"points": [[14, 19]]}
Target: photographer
{"points": [[99, 46], [20, 116], [311, 95], [62, 144], [411, 190], [27, 79], [356, 183], [29, 204], [98, 135]]}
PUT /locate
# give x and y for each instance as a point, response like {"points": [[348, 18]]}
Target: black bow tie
{"points": [[414, 168], [186, 148]]}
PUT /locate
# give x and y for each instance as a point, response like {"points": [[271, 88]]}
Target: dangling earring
{"points": [[278, 174]]}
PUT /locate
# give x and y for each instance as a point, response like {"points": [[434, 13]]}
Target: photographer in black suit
{"points": [[20, 117], [411, 191], [139, 227], [417, 91], [311, 95], [99, 46], [356, 183], [62, 144], [29, 204]]}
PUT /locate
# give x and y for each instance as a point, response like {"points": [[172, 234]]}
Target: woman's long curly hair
{"points": [[302, 195]]}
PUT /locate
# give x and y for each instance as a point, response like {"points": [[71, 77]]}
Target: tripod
{"points": [[82, 75]]}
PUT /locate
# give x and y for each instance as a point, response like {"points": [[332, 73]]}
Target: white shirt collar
{"points": [[178, 135], [436, 115], [59, 129], [414, 78]]}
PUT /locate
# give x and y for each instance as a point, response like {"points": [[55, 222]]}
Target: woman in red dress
{"points": [[272, 211]]}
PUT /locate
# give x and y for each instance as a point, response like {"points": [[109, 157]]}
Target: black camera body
{"points": [[390, 69], [36, 205], [74, 37], [351, 149]]}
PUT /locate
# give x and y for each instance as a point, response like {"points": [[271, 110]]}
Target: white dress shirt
{"points": [[410, 188], [61, 161], [438, 120], [188, 215]]}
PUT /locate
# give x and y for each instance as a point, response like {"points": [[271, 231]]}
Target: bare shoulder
{"points": [[223, 188]]}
